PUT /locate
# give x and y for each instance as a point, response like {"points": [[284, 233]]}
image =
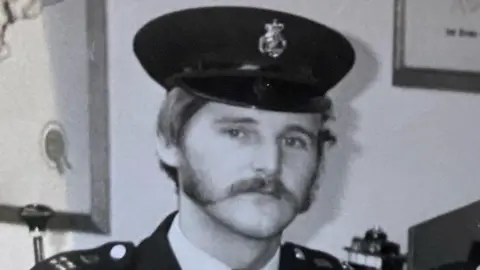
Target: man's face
{"points": [[251, 170]]}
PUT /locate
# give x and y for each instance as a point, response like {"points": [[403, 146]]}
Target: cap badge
{"points": [[273, 43]]}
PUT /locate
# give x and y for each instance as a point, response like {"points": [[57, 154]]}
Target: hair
{"points": [[179, 107]]}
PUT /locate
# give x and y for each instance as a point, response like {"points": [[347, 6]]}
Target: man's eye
{"points": [[295, 142], [234, 133]]}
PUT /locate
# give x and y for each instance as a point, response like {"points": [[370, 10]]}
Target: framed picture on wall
{"points": [[54, 149], [437, 44]]}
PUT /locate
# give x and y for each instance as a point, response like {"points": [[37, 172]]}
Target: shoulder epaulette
{"points": [[109, 256], [307, 258]]}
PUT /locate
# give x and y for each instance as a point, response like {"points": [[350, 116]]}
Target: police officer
{"points": [[241, 133]]}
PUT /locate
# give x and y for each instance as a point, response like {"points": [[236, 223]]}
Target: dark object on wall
{"points": [[472, 263], [456, 266], [72, 91], [374, 251], [36, 217], [55, 147], [440, 52], [450, 239]]}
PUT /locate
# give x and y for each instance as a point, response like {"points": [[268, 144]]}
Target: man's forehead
{"points": [[220, 112]]}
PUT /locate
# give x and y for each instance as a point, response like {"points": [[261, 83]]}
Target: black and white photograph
{"points": [[222, 135], [54, 115], [436, 44]]}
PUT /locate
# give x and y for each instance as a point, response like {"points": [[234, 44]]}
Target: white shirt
{"points": [[192, 258]]}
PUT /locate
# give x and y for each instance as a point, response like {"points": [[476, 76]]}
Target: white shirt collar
{"points": [[191, 258]]}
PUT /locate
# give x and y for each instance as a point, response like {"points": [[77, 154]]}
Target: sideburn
{"points": [[313, 186], [192, 186]]}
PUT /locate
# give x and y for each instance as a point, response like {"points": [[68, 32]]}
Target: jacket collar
{"points": [[155, 251]]}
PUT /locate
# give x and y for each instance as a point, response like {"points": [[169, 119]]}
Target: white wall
{"points": [[404, 155]]}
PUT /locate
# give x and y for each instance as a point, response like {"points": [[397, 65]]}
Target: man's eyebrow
{"points": [[248, 120], [235, 120], [296, 128]]}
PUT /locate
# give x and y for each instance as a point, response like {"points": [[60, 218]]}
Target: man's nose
{"points": [[267, 159]]}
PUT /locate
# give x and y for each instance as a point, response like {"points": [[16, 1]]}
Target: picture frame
{"points": [[78, 194], [437, 48]]}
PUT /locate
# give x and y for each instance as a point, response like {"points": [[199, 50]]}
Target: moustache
{"points": [[267, 186]]}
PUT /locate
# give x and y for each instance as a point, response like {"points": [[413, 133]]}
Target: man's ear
{"points": [[168, 152]]}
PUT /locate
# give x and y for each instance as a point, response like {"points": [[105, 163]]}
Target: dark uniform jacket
{"points": [[155, 253]]}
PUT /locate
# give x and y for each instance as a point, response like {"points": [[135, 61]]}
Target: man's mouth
{"points": [[273, 188], [269, 192]]}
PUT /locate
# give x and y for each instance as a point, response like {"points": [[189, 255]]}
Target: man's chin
{"points": [[254, 228], [259, 236]]}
